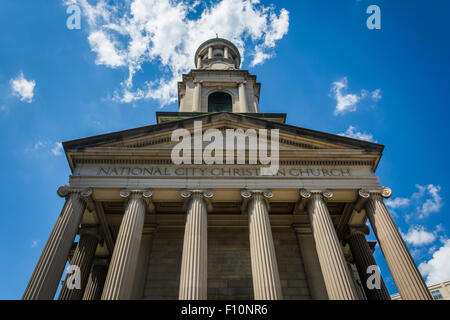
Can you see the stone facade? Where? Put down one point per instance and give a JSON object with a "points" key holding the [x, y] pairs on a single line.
{"points": [[163, 270]]}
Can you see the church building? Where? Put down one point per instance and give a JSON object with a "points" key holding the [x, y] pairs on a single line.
{"points": [[138, 225]]}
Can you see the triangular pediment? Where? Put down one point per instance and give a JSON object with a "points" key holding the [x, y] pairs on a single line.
{"points": [[157, 139]]}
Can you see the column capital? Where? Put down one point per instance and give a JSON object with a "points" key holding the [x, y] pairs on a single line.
{"points": [[144, 194], [363, 230], [364, 195], [90, 229], [85, 195], [66, 190], [247, 195], [205, 194], [306, 195], [101, 261], [242, 83], [188, 193], [385, 192]]}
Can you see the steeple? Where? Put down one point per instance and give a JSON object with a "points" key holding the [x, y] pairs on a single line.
{"points": [[217, 84]]}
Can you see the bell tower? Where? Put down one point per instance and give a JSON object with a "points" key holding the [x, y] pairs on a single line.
{"points": [[218, 84]]}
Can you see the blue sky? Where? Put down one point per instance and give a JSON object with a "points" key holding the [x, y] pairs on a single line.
{"points": [[58, 84]]}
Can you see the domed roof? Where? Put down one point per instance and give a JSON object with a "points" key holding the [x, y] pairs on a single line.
{"points": [[219, 42]]}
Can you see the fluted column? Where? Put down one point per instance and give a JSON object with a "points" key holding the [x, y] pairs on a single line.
{"points": [[197, 103], [121, 273], [336, 274], [406, 275], [194, 264], [243, 97], [363, 258], [50, 267], [266, 278], [96, 281], [82, 258]]}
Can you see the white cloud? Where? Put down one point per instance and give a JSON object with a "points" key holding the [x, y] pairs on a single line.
{"points": [[164, 32], [23, 88], [397, 202], [376, 95], [45, 146], [35, 243], [432, 204], [260, 56], [106, 49], [437, 269], [426, 200], [348, 102], [345, 102], [418, 236], [38, 145], [352, 133], [57, 149]]}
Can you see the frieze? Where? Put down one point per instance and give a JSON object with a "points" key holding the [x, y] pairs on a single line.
{"points": [[172, 171]]}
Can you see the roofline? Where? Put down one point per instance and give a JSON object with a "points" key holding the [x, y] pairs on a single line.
{"points": [[80, 144]]}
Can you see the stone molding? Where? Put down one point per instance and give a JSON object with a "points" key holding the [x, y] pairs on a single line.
{"points": [[303, 229], [149, 229]]}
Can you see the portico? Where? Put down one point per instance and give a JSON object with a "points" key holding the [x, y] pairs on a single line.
{"points": [[153, 229]]}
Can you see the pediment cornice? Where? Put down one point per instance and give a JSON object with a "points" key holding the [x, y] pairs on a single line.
{"points": [[148, 143]]}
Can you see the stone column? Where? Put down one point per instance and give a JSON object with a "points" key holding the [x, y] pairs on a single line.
{"points": [[226, 54], [407, 277], [363, 258], [197, 103], [266, 279], [96, 281], [256, 104], [50, 267], [210, 52], [199, 62], [82, 258], [243, 97], [194, 263], [121, 273], [338, 280]]}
